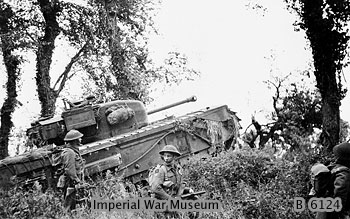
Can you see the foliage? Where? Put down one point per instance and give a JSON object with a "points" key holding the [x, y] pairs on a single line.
{"points": [[124, 26], [118, 62], [22, 203], [304, 108], [172, 71], [297, 114], [248, 183], [252, 184], [109, 40], [344, 130], [296, 120], [34, 203], [45, 27], [175, 68], [77, 30], [326, 27], [9, 46], [39, 25]]}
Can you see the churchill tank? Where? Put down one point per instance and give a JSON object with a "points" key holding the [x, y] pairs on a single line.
{"points": [[118, 136]]}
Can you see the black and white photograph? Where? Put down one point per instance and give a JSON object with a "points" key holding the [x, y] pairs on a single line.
{"points": [[152, 109]]}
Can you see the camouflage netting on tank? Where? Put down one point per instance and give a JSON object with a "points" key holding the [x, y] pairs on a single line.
{"points": [[234, 124], [118, 114], [215, 135], [218, 133], [214, 131]]}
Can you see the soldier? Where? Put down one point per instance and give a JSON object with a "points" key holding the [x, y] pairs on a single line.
{"points": [[73, 165], [166, 180], [340, 171]]}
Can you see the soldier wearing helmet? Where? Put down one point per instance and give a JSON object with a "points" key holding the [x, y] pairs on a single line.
{"points": [[340, 173], [166, 181], [166, 178], [73, 165]]}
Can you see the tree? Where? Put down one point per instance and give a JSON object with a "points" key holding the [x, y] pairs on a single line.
{"points": [[172, 71], [75, 30], [119, 64], [110, 44], [21, 32], [9, 45], [297, 111], [325, 24], [117, 60], [124, 27], [45, 20], [104, 30]]}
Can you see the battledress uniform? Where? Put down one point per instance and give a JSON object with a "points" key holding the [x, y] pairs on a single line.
{"points": [[341, 172], [73, 165], [166, 181]]}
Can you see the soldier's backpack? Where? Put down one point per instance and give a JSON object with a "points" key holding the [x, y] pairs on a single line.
{"points": [[57, 166], [322, 179]]}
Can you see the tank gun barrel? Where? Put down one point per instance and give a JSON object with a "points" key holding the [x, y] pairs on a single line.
{"points": [[187, 100]]}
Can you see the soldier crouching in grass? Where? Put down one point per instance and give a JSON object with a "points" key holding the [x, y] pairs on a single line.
{"points": [[165, 180]]}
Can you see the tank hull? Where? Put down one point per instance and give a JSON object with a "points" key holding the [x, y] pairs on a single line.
{"points": [[131, 154]]}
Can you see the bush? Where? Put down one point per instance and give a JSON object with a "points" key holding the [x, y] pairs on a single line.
{"points": [[251, 184], [32, 203]]}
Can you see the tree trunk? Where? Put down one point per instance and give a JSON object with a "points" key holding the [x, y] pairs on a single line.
{"points": [[330, 123], [11, 63], [47, 96], [118, 58], [326, 44]]}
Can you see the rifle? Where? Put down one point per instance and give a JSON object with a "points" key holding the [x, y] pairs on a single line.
{"points": [[84, 186], [77, 187], [192, 195]]}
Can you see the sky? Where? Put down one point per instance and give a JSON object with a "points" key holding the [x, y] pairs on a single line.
{"points": [[236, 48]]}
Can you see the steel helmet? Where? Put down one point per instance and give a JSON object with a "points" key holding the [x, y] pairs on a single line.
{"points": [[342, 151], [73, 135], [171, 149], [318, 168]]}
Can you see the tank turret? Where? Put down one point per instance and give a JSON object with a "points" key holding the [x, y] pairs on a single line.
{"points": [[95, 121]]}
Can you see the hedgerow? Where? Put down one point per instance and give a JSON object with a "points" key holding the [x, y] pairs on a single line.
{"points": [[248, 183], [252, 183], [30, 203]]}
